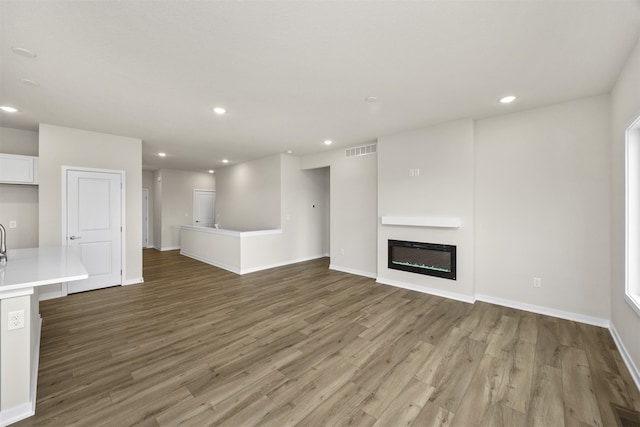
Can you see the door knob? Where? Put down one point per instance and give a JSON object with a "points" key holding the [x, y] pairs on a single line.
{"points": [[75, 237]]}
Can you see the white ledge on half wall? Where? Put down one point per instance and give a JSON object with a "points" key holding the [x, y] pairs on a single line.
{"points": [[445, 222]]}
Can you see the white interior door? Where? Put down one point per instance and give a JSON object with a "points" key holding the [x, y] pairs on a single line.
{"points": [[204, 208], [94, 226]]}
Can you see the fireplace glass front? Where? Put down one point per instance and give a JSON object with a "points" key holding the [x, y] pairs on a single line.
{"points": [[432, 259]]}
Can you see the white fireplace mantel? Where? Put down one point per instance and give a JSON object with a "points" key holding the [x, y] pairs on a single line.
{"points": [[441, 222]]}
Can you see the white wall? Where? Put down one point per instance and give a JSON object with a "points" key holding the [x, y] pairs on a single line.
{"points": [[173, 203], [248, 195], [60, 146], [157, 209], [19, 202], [625, 107], [18, 141], [443, 188], [353, 206], [542, 207]]}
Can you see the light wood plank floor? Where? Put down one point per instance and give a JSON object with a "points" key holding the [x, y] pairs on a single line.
{"points": [[303, 345]]}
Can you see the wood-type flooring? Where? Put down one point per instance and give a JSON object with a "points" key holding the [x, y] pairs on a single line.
{"points": [[304, 345]]}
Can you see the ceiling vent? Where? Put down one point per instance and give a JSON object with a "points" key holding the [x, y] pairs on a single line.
{"points": [[360, 151]]}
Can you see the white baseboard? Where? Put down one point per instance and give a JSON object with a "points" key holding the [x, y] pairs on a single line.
{"points": [[352, 271], [167, 248], [626, 357], [206, 261], [567, 315], [279, 264], [241, 271], [15, 414], [427, 290], [134, 281]]}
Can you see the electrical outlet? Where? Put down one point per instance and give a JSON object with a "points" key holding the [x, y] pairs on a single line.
{"points": [[537, 282], [15, 320], [13, 224]]}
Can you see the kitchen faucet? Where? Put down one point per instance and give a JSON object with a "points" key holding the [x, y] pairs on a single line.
{"points": [[3, 245]]}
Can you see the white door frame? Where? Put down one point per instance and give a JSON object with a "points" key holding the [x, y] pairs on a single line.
{"points": [[145, 217], [123, 210]]}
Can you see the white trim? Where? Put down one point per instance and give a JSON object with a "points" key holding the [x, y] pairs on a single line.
{"points": [[444, 222], [19, 292], [17, 413], [633, 303], [352, 271], [426, 290], [561, 314], [134, 281], [123, 224], [35, 363], [145, 221], [278, 264], [226, 232], [215, 264], [626, 357], [241, 271], [167, 248], [632, 246]]}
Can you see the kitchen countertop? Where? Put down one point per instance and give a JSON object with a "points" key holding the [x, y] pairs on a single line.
{"points": [[28, 268]]}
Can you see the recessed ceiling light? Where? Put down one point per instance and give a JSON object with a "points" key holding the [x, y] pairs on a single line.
{"points": [[211, 171], [8, 109], [30, 82], [328, 142], [225, 161], [289, 151], [371, 99], [23, 52], [507, 99], [219, 110], [162, 154]]}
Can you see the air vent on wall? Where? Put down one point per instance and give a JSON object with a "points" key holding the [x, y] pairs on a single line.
{"points": [[360, 151]]}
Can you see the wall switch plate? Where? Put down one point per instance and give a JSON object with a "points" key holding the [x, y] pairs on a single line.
{"points": [[537, 282], [15, 320], [13, 224]]}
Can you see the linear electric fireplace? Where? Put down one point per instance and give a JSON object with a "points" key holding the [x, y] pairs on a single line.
{"points": [[431, 259]]}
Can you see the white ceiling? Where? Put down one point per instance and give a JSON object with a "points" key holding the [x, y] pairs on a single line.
{"points": [[292, 74]]}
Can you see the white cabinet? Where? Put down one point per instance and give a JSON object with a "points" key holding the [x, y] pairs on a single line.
{"points": [[16, 169]]}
